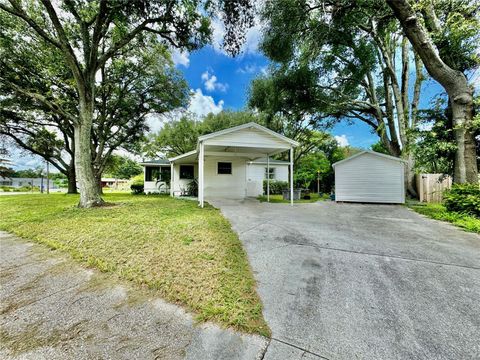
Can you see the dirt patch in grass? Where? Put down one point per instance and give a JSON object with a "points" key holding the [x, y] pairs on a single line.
{"points": [[189, 255]]}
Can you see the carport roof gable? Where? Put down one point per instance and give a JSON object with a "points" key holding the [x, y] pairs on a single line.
{"points": [[385, 156], [246, 126]]}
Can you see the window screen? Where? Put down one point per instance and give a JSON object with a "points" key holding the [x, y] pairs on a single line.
{"points": [[224, 168], [152, 173]]}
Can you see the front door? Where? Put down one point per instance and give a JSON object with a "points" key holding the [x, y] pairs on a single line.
{"points": [[254, 186]]}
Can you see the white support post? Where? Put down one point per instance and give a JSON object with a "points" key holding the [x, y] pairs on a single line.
{"points": [[268, 178], [172, 176], [200, 174], [291, 176]]}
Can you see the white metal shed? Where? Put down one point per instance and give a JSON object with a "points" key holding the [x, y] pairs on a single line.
{"points": [[370, 177]]}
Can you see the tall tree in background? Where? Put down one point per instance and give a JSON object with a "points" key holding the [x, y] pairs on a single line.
{"points": [[445, 35], [180, 136], [339, 60], [5, 170]]}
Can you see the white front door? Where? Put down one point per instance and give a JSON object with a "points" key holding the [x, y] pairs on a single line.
{"points": [[254, 185]]}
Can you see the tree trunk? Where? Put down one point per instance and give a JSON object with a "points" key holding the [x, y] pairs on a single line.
{"points": [[89, 194], [410, 185], [98, 178], [72, 181], [465, 164], [455, 84]]}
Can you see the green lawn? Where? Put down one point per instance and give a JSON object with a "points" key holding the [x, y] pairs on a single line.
{"points": [[279, 198], [186, 254], [438, 212]]}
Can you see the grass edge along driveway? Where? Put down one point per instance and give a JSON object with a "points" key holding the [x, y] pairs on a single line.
{"points": [[188, 255]]}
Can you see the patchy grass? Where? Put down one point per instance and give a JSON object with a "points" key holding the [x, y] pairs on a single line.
{"points": [[439, 212], [189, 255], [279, 198]]}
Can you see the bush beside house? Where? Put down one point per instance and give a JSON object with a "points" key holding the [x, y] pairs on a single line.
{"points": [[276, 187]]}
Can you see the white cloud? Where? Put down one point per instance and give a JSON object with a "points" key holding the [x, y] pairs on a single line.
{"points": [[253, 69], [252, 39], [210, 82], [180, 58], [202, 105], [342, 140]]}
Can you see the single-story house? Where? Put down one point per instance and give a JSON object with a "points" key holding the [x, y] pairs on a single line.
{"points": [[16, 182], [114, 183], [230, 163], [370, 177]]}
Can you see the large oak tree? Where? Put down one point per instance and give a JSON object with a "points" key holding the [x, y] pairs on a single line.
{"points": [[133, 85], [442, 33]]}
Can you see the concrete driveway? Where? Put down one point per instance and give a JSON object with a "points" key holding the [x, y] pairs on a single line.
{"points": [[353, 281]]}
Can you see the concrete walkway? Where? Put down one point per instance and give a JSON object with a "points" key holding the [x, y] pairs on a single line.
{"points": [[353, 281], [51, 308]]}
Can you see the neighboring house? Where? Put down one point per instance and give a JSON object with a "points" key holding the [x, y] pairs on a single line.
{"points": [[231, 163], [113, 183], [22, 182], [370, 177]]}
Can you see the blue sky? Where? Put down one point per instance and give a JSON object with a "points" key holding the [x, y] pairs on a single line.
{"points": [[225, 80]]}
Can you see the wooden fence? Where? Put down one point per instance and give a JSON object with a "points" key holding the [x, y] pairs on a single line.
{"points": [[430, 187]]}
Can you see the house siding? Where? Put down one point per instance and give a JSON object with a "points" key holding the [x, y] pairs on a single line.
{"points": [[182, 184], [229, 186], [256, 175], [370, 178]]}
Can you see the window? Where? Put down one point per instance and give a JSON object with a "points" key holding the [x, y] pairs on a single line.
{"points": [[152, 173], [270, 176], [6, 183], [224, 168], [165, 174], [186, 171]]}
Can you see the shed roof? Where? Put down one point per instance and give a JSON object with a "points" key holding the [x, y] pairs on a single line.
{"points": [[385, 156]]}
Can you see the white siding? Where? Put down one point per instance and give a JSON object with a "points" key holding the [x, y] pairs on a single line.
{"points": [[179, 184], [256, 174], [225, 185], [248, 138], [370, 178]]}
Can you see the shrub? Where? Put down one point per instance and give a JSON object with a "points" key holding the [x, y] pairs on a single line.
{"points": [[463, 198], [192, 188], [276, 186], [138, 180], [137, 189]]}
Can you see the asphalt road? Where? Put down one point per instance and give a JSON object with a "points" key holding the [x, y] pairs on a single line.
{"points": [[355, 281]]}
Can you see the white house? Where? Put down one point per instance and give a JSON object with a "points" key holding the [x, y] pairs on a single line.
{"points": [[370, 177], [231, 163]]}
